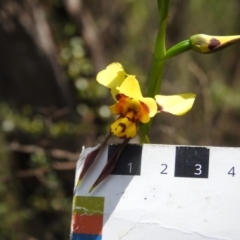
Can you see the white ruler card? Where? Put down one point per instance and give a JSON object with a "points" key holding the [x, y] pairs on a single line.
{"points": [[162, 192]]}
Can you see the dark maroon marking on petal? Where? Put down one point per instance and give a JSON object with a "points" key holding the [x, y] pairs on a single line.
{"points": [[145, 106], [119, 96], [123, 126], [214, 43], [159, 108]]}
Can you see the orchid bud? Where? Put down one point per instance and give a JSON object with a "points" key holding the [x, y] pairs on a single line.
{"points": [[203, 43]]}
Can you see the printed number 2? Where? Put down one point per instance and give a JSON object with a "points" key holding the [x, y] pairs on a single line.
{"points": [[198, 169], [164, 169]]}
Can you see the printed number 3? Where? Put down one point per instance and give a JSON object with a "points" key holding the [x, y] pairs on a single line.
{"points": [[198, 169]]}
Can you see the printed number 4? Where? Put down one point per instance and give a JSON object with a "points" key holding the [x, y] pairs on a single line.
{"points": [[232, 171], [198, 169]]}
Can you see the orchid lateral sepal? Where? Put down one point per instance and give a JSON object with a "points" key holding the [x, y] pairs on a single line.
{"points": [[91, 158], [108, 168]]}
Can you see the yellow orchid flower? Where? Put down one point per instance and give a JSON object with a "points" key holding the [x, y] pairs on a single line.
{"points": [[131, 106]]}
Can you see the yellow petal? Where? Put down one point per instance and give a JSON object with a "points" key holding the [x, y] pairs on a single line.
{"points": [[112, 76], [176, 104], [131, 130], [130, 87], [124, 128], [143, 115], [144, 118]]}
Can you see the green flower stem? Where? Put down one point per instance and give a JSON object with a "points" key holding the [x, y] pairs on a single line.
{"points": [[143, 137], [178, 49], [163, 8], [156, 73]]}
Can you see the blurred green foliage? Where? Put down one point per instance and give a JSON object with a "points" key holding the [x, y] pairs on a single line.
{"points": [[33, 192]]}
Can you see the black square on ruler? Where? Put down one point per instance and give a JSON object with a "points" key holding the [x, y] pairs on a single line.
{"points": [[129, 162], [192, 162]]}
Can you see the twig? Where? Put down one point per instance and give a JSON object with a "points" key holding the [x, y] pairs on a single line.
{"points": [[56, 153], [39, 172]]}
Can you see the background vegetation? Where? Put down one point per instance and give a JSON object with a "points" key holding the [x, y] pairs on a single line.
{"points": [[51, 105]]}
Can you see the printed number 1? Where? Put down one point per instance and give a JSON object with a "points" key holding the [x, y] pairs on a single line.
{"points": [[130, 167]]}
